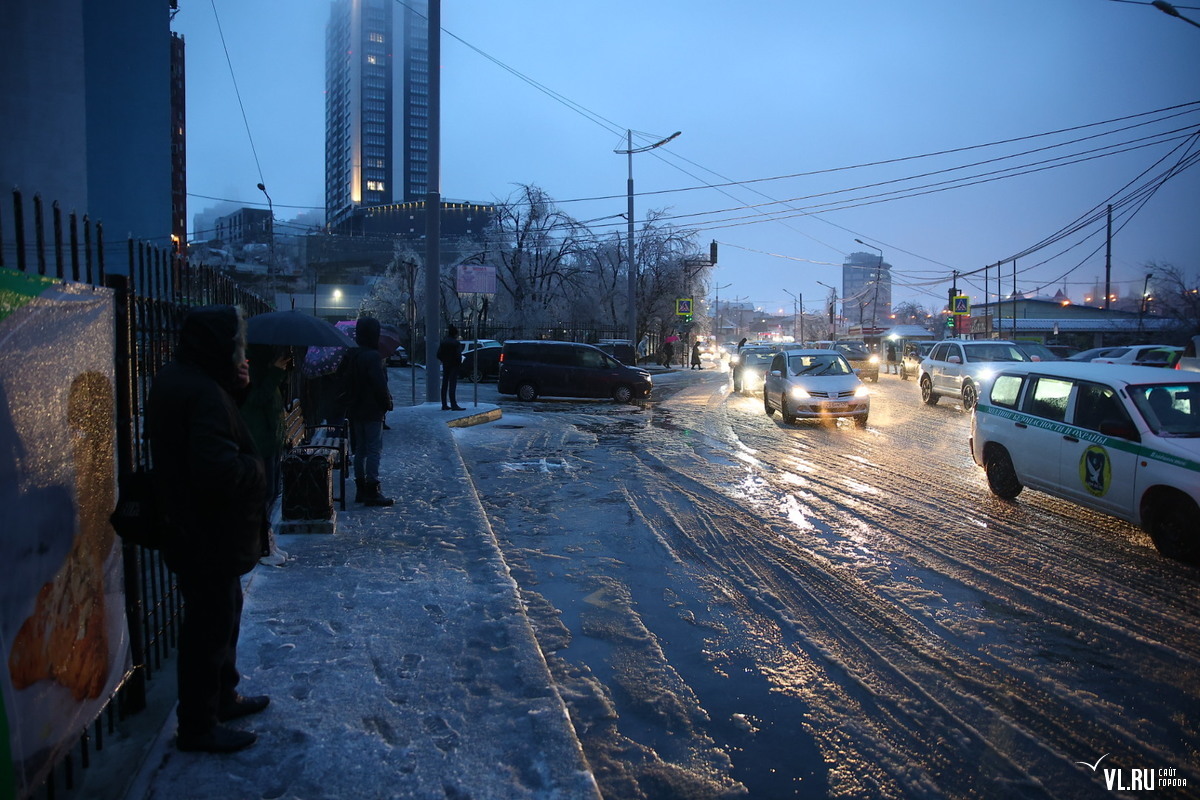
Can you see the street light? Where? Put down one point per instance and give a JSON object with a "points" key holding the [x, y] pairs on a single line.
{"points": [[1167, 8], [832, 308], [878, 270], [629, 212], [1145, 298], [271, 247]]}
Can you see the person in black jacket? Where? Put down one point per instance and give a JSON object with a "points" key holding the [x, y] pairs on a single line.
{"points": [[369, 402], [210, 479], [449, 353]]}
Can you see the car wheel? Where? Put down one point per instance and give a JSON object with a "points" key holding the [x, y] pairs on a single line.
{"points": [[527, 392], [928, 396], [1172, 527], [861, 420], [623, 394], [970, 396], [903, 373], [785, 411], [1001, 476], [767, 407]]}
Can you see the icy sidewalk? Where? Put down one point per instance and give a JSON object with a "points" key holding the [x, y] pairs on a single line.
{"points": [[396, 653]]}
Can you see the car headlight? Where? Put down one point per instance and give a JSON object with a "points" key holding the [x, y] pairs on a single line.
{"points": [[798, 393], [734, 359], [874, 359], [862, 391]]}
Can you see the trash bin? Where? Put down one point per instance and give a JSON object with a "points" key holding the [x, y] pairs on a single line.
{"points": [[307, 485]]}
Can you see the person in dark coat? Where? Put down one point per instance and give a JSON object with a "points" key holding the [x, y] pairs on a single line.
{"points": [[449, 353], [210, 479], [263, 410], [668, 352], [369, 402], [696, 356]]}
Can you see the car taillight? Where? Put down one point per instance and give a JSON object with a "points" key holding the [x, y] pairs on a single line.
{"points": [[502, 358]]}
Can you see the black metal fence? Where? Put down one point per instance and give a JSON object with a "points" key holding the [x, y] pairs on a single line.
{"points": [[152, 292]]}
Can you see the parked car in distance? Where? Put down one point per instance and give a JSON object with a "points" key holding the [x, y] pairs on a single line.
{"points": [[748, 368], [910, 363], [1123, 440], [481, 363], [815, 384], [535, 368], [620, 349], [1142, 355], [1189, 359], [954, 368], [398, 358], [1062, 350], [1039, 352], [1152, 355]]}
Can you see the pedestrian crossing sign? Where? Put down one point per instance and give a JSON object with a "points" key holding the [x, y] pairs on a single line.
{"points": [[962, 305], [683, 306]]}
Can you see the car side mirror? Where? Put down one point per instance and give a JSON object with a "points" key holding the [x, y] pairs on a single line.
{"points": [[954, 360], [777, 373], [1120, 429]]}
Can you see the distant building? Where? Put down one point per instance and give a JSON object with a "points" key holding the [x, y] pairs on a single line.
{"points": [[376, 105], [1056, 320], [86, 99], [242, 227], [178, 143], [866, 291]]}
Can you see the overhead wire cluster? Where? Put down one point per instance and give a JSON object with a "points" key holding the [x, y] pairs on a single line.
{"points": [[1174, 127]]}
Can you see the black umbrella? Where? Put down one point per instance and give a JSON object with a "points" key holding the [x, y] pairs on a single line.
{"points": [[294, 328]]}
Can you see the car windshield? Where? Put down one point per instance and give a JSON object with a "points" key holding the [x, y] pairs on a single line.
{"points": [[1169, 409], [822, 364], [853, 352], [755, 358], [988, 352]]}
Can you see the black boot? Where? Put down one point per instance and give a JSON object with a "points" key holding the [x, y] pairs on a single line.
{"points": [[375, 496], [360, 491]]}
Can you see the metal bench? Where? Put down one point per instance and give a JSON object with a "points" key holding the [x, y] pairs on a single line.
{"points": [[330, 439]]}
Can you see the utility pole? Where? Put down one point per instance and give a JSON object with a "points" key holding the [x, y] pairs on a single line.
{"points": [[1108, 262], [629, 151], [433, 208]]}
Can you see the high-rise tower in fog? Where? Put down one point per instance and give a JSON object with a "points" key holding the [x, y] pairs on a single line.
{"points": [[376, 106]]}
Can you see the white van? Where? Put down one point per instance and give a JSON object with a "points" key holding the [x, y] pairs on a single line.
{"points": [[1121, 440]]}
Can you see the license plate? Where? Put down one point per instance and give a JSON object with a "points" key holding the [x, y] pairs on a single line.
{"points": [[833, 405]]}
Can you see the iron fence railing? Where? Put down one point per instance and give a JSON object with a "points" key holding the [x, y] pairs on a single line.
{"points": [[151, 293]]}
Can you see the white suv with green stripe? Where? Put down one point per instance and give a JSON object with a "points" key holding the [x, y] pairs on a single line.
{"points": [[1122, 440]]}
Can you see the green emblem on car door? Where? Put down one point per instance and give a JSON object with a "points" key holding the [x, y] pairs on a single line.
{"points": [[1095, 470]]}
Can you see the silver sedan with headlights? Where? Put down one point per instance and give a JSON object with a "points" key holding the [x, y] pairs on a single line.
{"points": [[815, 384]]}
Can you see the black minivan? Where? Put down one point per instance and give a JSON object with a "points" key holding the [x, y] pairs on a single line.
{"points": [[530, 369]]}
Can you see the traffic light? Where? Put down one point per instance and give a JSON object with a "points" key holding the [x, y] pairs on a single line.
{"points": [[950, 319]]}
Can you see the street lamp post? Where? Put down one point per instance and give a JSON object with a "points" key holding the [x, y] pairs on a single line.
{"points": [[1145, 298], [1167, 8], [271, 245], [832, 309], [717, 311], [629, 151]]}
